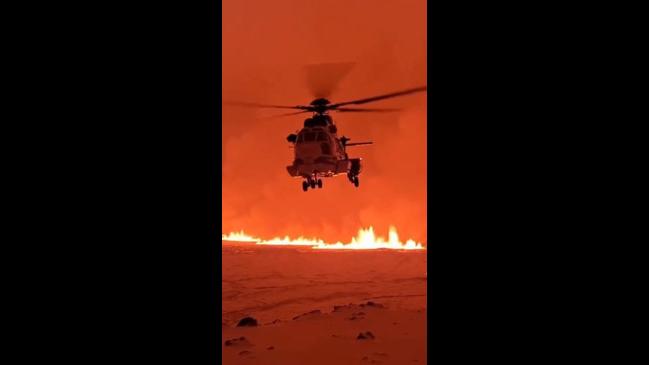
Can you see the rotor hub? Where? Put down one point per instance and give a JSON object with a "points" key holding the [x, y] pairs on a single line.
{"points": [[320, 105], [320, 102]]}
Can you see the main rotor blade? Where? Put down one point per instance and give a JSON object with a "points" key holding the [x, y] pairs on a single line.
{"points": [[257, 105], [377, 110], [357, 143], [381, 97], [285, 115]]}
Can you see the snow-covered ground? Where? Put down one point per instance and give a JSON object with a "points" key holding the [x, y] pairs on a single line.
{"points": [[276, 284]]}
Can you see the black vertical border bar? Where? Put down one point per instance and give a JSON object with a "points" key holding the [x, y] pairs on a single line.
{"points": [[214, 222]]}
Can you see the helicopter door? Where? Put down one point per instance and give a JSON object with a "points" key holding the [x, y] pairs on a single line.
{"points": [[339, 148]]}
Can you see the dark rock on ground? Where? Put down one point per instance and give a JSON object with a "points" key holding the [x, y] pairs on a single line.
{"points": [[365, 336], [372, 304], [339, 308], [241, 341], [247, 322]]}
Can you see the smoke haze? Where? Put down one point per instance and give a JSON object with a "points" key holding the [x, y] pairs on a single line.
{"points": [[266, 48]]}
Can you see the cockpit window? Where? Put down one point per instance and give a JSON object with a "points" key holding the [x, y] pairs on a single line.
{"points": [[322, 137], [309, 137]]}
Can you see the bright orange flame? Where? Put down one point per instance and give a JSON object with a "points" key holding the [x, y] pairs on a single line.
{"points": [[365, 240], [239, 237]]}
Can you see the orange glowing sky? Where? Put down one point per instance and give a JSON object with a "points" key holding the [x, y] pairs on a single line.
{"points": [[266, 45]]}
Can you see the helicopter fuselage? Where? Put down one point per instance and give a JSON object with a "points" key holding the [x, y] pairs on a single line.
{"points": [[318, 153]]}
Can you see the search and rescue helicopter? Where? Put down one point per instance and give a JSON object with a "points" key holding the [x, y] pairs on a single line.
{"points": [[319, 152]]}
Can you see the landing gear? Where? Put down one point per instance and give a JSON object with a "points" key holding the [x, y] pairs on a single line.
{"points": [[353, 179], [311, 183]]}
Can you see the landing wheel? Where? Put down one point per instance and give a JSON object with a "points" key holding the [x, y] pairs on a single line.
{"points": [[356, 181], [312, 184], [305, 185], [319, 183]]}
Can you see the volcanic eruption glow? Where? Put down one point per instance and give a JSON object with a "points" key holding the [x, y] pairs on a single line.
{"points": [[365, 240], [239, 237]]}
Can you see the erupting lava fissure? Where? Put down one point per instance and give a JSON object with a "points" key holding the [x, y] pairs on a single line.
{"points": [[365, 240]]}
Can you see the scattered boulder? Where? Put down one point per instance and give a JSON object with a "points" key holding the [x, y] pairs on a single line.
{"points": [[357, 315], [365, 336], [241, 341], [247, 322], [245, 352], [270, 348], [340, 308], [372, 304]]}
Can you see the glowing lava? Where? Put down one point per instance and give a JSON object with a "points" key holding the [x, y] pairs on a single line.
{"points": [[239, 237], [365, 240]]}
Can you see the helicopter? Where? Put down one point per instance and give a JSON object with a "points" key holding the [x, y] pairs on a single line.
{"points": [[319, 152]]}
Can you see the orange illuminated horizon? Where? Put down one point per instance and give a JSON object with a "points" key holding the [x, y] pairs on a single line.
{"points": [[365, 240], [267, 46]]}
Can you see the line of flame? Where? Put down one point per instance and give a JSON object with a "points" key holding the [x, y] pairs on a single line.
{"points": [[239, 237], [365, 240]]}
